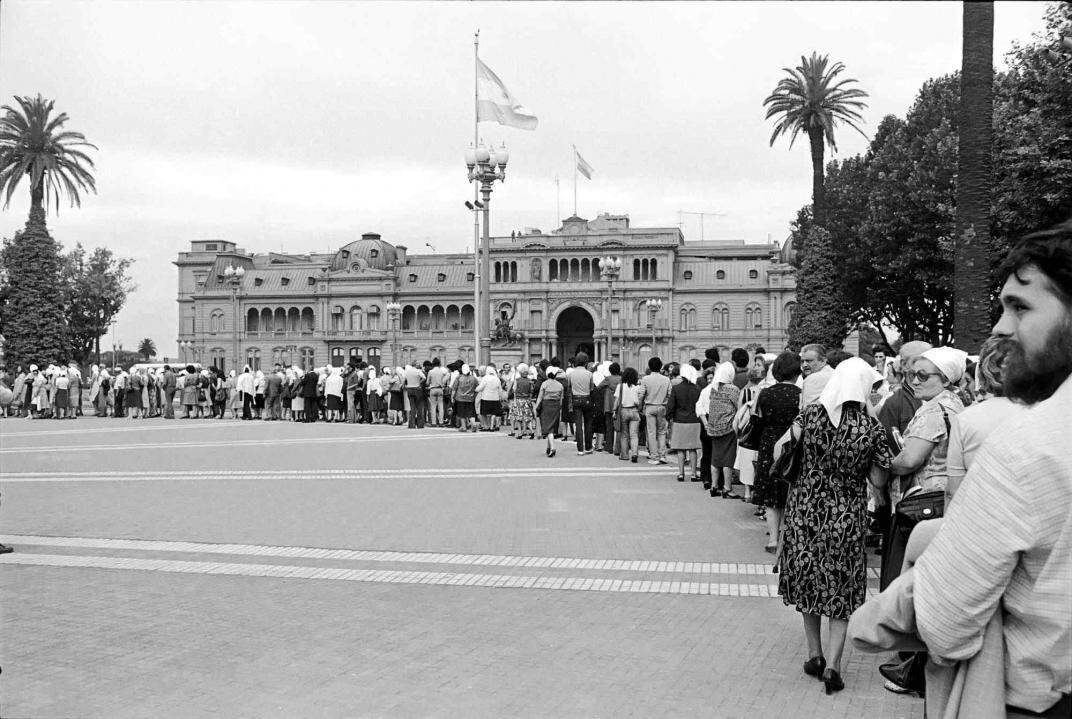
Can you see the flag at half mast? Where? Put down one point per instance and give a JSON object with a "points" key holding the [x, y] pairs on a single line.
{"points": [[583, 167], [496, 104]]}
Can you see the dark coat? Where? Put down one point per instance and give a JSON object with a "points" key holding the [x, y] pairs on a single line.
{"points": [[308, 385]]}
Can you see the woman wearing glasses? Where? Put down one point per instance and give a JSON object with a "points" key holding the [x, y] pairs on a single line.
{"points": [[933, 377]]}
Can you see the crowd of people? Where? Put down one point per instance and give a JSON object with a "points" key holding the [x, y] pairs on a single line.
{"points": [[992, 432]]}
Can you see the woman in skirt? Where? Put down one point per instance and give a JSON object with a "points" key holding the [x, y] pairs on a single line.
{"points": [[488, 394], [549, 408], [685, 434], [717, 408], [522, 415]]}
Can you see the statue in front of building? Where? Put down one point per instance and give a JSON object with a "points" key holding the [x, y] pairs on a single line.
{"points": [[536, 270]]}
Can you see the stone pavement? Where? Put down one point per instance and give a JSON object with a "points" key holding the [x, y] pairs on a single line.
{"points": [[249, 569]]}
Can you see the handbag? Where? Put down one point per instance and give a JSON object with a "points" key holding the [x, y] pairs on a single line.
{"points": [[786, 467], [749, 425], [920, 505]]}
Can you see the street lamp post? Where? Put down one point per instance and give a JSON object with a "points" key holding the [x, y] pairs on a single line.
{"points": [[485, 165], [609, 269], [654, 305], [394, 310], [233, 277]]}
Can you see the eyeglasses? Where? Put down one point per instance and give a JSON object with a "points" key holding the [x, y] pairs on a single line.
{"points": [[921, 376]]}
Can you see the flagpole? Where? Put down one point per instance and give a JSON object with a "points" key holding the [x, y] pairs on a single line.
{"points": [[558, 202], [476, 201], [575, 181]]}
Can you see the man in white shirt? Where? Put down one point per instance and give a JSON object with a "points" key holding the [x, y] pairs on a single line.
{"points": [[816, 373]]}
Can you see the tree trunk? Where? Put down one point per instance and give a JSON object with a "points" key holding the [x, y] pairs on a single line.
{"points": [[971, 317], [818, 191]]}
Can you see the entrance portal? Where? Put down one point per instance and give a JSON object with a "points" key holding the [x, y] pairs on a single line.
{"points": [[575, 329]]}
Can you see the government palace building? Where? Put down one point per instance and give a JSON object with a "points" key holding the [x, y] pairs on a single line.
{"points": [[550, 295]]}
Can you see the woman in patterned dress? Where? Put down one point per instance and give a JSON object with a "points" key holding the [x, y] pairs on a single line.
{"points": [[778, 404], [823, 561]]}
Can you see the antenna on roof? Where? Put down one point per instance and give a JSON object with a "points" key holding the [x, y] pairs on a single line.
{"points": [[430, 245], [682, 213]]}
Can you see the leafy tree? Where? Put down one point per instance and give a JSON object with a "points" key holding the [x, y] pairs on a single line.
{"points": [[812, 100], [147, 348], [974, 161], [95, 289], [822, 313], [33, 144]]}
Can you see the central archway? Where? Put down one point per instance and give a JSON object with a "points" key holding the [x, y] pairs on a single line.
{"points": [[575, 328]]}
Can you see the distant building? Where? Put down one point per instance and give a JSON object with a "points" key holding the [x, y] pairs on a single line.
{"points": [[548, 298]]}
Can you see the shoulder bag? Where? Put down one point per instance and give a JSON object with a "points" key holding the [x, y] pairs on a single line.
{"points": [[786, 467], [749, 424]]}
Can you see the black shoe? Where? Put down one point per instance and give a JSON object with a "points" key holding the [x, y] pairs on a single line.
{"points": [[681, 478], [4, 549], [696, 478], [707, 485], [832, 681], [814, 667], [634, 459], [553, 453]]}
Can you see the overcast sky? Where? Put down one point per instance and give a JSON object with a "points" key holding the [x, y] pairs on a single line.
{"points": [[298, 126]]}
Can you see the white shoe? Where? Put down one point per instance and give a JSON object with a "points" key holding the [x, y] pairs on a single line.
{"points": [[895, 688]]}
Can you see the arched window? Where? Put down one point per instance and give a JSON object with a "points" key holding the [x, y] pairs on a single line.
{"points": [[644, 352], [454, 319], [373, 317], [266, 320], [552, 271], [279, 322], [355, 355], [642, 317], [308, 358], [438, 317], [424, 318], [498, 272], [787, 312], [293, 320], [644, 268], [253, 358], [308, 320], [597, 269], [438, 351], [338, 318], [338, 357], [467, 317], [409, 317], [687, 318], [574, 270], [654, 275], [357, 318], [513, 272], [636, 269], [753, 316], [720, 317], [217, 355], [253, 320], [465, 353], [374, 356], [216, 322], [586, 270], [505, 310]]}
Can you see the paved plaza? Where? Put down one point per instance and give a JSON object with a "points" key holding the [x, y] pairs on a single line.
{"points": [[251, 569]]}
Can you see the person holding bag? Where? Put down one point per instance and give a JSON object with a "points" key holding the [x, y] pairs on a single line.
{"points": [[745, 463], [822, 560]]}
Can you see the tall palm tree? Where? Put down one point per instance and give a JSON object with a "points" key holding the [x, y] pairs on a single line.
{"points": [[147, 348], [33, 144], [971, 316], [812, 100]]}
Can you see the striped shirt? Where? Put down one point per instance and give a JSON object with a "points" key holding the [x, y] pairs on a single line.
{"points": [[1008, 539]]}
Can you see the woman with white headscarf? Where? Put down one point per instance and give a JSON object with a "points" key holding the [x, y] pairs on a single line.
{"points": [[685, 433], [823, 565], [934, 376], [487, 391], [522, 414], [374, 396], [549, 407], [716, 409], [463, 398], [333, 388]]}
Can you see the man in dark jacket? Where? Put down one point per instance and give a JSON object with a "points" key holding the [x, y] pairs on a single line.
{"points": [[308, 394], [273, 393]]}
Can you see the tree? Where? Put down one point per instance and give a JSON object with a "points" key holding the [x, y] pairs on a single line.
{"points": [[95, 289], [822, 314], [813, 101], [33, 145], [147, 348], [972, 267]]}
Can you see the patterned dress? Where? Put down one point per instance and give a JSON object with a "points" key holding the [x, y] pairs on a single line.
{"points": [[779, 405], [823, 564]]}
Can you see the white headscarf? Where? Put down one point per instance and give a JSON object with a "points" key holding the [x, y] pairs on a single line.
{"points": [[852, 381], [466, 369], [950, 361], [725, 373], [489, 371], [689, 373], [551, 372], [601, 373], [532, 373]]}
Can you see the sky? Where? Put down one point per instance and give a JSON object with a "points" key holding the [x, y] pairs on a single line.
{"points": [[298, 126]]}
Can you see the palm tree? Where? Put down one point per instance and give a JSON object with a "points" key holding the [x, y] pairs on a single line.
{"points": [[147, 348], [31, 144], [812, 100], [971, 315]]}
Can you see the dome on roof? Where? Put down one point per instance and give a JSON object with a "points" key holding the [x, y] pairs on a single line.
{"points": [[370, 251]]}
